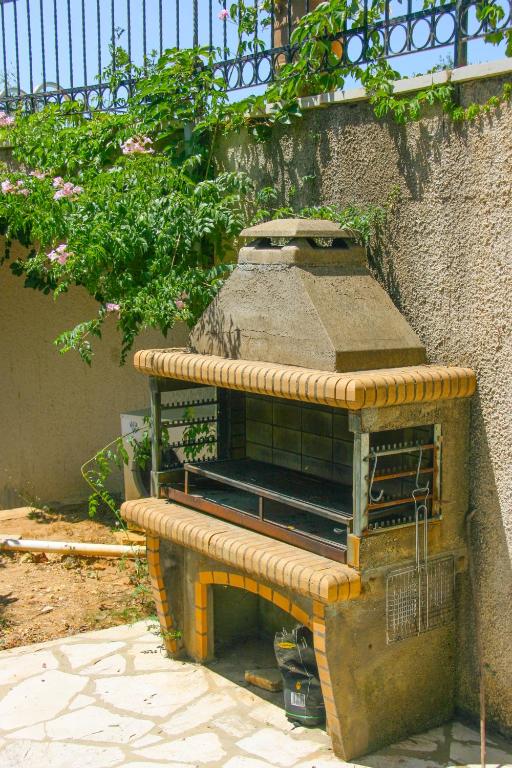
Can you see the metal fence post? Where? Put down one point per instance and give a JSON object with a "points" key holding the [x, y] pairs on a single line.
{"points": [[460, 52], [196, 24]]}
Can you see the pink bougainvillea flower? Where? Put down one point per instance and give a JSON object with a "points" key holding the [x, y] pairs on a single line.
{"points": [[68, 189], [224, 15], [60, 254], [137, 145], [5, 120], [128, 145], [38, 174], [58, 182], [8, 187], [111, 306], [180, 304]]}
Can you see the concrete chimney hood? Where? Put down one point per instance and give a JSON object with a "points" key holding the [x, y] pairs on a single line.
{"points": [[302, 295]]}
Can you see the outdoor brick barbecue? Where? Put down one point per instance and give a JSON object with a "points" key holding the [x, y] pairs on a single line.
{"points": [[305, 453]]}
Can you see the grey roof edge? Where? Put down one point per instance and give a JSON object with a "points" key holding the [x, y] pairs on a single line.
{"points": [[298, 228]]}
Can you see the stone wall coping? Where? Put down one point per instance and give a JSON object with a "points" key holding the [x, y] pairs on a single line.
{"points": [[411, 84], [248, 552], [459, 75], [353, 390]]}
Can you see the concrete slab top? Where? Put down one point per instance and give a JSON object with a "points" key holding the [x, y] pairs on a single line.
{"points": [[297, 228]]}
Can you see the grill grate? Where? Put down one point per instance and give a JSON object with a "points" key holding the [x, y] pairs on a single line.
{"points": [[419, 598]]}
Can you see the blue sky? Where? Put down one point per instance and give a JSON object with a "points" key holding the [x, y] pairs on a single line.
{"points": [[82, 16]]}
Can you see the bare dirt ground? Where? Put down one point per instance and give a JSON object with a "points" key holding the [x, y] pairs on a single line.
{"points": [[43, 597]]}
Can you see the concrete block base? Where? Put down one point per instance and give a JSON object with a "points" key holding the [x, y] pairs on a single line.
{"points": [[374, 692]]}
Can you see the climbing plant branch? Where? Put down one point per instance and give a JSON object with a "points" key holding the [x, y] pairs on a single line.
{"points": [[133, 209]]}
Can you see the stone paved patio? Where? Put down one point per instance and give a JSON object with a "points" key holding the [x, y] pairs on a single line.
{"points": [[111, 698]]}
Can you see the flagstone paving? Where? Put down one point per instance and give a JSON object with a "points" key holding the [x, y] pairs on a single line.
{"points": [[111, 698]]}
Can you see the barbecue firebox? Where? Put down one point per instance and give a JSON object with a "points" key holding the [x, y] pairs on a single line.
{"points": [[287, 470], [309, 456]]}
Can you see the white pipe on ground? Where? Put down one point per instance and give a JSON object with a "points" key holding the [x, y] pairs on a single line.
{"points": [[70, 548]]}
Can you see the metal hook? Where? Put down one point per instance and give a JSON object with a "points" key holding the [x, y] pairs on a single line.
{"points": [[418, 468], [374, 499]]}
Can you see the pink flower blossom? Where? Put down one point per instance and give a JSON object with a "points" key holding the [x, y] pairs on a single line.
{"points": [[58, 182], [7, 187], [6, 120], [38, 174], [180, 304], [67, 189], [140, 145], [224, 15], [111, 306], [60, 254]]}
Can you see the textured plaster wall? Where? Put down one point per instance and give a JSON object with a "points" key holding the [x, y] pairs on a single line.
{"points": [[445, 256], [56, 412]]}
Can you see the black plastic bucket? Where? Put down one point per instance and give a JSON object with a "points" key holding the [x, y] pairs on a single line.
{"points": [[303, 700]]}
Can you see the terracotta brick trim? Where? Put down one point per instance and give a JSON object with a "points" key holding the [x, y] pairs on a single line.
{"points": [[256, 555], [159, 594], [239, 582], [363, 389], [324, 673]]}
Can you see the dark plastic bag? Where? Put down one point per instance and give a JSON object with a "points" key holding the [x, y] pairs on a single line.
{"points": [[295, 656]]}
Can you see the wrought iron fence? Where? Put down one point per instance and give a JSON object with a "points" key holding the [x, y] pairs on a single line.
{"points": [[53, 50]]}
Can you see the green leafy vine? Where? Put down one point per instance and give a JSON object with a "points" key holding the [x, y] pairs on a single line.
{"points": [[132, 208]]}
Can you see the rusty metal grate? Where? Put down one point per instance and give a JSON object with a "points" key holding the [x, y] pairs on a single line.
{"points": [[419, 598]]}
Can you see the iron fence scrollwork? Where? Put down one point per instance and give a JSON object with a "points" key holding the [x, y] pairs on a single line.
{"points": [[68, 44]]}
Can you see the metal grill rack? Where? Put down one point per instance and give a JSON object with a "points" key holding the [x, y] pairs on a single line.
{"points": [[287, 504], [298, 472], [184, 427], [419, 598]]}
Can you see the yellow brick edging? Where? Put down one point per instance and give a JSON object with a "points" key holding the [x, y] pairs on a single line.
{"points": [[324, 673], [256, 555], [356, 390], [238, 581]]}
